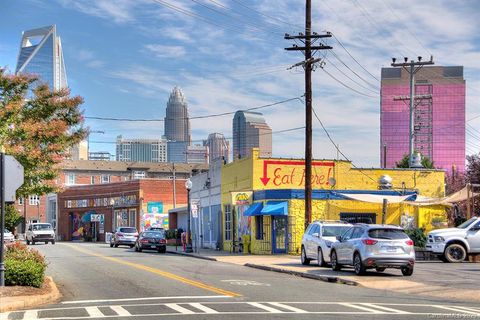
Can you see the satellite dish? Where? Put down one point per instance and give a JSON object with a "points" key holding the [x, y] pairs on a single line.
{"points": [[332, 182]]}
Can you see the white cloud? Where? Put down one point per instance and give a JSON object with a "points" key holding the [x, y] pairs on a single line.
{"points": [[163, 51]]}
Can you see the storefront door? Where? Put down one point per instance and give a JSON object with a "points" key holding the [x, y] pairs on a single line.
{"points": [[279, 234]]}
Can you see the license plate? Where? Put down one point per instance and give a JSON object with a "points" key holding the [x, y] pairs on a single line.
{"points": [[391, 249], [152, 246]]}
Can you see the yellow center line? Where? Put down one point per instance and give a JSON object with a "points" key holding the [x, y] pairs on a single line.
{"points": [[158, 272]]}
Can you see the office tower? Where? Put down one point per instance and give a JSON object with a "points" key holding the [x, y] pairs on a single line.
{"points": [[41, 54], [197, 154], [177, 151], [141, 150], [439, 116], [177, 123], [251, 131], [79, 151], [218, 147], [99, 156]]}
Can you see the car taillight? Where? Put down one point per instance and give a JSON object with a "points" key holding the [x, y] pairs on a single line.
{"points": [[135, 234], [119, 234], [163, 241], [144, 241], [369, 242], [409, 242]]}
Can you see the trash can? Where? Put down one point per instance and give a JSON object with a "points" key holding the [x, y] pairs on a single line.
{"points": [[246, 243], [108, 237]]}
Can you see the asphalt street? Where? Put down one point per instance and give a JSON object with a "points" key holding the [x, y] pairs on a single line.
{"points": [[101, 282]]}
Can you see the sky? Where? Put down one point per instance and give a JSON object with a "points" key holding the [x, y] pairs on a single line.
{"points": [[125, 56]]}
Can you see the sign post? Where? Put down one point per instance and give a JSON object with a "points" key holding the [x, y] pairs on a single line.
{"points": [[8, 186]]}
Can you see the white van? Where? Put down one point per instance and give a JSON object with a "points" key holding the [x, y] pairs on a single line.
{"points": [[40, 232]]}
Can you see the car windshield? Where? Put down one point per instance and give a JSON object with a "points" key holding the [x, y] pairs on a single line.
{"points": [[6, 231], [128, 230], [467, 223], [333, 231], [390, 234], [155, 234], [43, 226]]}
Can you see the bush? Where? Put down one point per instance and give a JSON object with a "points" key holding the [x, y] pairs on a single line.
{"points": [[24, 266], [418, 236], [171, 234], [24, 273]]}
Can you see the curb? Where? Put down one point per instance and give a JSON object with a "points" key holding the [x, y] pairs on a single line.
{"points": [[192, 255], [24, 302], [303, 274]]}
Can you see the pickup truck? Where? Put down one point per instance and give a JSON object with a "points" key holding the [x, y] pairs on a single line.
{"points": [[455, 244]]}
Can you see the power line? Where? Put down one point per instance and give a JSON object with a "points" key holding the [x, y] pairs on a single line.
{"points": [[196, 117], [359, 84], [347, 86], [353, 71]]}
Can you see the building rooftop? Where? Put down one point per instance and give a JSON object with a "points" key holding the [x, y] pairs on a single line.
{"points": [[94, 165]]}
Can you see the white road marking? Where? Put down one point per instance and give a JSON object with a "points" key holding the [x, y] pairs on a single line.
{"points": [[246, 283], [203, 308], [141, 299], [94, 312], [266, 308], [351, 305], [477, 311], [121, 311], [457, 309], [4, 316], [178, 308], [30, 315], [290, 308], [371, 305]]}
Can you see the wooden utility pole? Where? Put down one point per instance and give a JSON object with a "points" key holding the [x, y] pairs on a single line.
{"points": [[308, 66]]}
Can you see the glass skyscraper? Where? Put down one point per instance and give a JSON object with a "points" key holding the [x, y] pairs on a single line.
{"points": [[251, 131], [41, 54], [141, 150], [439, 116], [177, 123]]}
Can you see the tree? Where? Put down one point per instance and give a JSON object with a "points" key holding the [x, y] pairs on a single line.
{"points": [[473, 168], [38, 127], [426, 162], [12, 218]]}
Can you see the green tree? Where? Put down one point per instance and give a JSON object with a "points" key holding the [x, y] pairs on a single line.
{"points": [[38, 127], [426, 162], [12, 218]]}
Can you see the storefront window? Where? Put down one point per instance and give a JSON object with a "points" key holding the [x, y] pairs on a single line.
{"points": [[132, 218], [259, 227], [228, 222]]}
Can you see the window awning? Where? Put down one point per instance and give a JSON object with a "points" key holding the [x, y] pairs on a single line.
{"points": [[254, 210], [275, 208]]}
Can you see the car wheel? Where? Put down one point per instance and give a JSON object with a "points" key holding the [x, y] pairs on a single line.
{"points": [[132, 245], [33, 242], [304, 259], [320, 260], [28, 242], [442, 258], [164, 250], [46, 242], [115, 245], [139, 249], [53, 241], [358, 265], [111, 244], [455, 253], [136, 248], [407, 271], [380, 269], [334, 261]]}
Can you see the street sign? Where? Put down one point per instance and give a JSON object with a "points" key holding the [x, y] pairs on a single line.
{"points": [[96, 218], [194, 207], [13, 177]]}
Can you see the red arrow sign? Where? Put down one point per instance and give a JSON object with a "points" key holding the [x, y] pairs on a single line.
{"points": [[265, 179]]}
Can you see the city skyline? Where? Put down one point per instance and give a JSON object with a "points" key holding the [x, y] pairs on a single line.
{"points": [[158, 45]]}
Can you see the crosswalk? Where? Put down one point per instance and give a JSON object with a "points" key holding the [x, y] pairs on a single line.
{"points": [[158, 309]]}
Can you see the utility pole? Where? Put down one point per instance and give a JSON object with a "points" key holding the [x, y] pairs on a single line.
{"points": [[308, 39], [411, 67]]}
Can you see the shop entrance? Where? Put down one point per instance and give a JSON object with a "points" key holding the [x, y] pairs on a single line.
{"points": [[279, 234]]}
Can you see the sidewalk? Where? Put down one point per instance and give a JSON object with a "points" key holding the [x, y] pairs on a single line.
{"points": [[434, 279]]}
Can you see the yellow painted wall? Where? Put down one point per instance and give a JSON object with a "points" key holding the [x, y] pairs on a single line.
{"points": [[249, 175]]}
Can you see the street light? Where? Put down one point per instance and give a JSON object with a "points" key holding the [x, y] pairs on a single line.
{"points": [[188, 185]]}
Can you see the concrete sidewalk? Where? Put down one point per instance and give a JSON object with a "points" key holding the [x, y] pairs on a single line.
{"points": [[434, 279]]}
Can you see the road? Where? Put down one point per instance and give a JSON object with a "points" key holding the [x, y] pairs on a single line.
{"points": [[100, 282]]}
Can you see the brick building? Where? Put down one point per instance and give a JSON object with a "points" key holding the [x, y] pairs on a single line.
{"points": [[93, 173], [127, 203]]}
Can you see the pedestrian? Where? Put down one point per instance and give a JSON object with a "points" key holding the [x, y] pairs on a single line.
{"points": [[184, 241]]}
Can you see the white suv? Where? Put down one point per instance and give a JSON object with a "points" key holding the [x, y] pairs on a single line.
{"points": [[318, 238], [40, 232]]}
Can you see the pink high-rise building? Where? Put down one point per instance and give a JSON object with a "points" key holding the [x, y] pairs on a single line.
{"points": [[439, 125]]}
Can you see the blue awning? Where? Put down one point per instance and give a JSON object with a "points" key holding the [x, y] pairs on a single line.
{"points": [[275, 208], [254, 209]]}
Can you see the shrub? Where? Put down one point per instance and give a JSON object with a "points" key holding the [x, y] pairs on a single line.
{"points": [[24, 266], [171, 234], [418, 236]]}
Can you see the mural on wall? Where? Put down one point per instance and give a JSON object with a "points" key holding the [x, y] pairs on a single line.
{"points": [[154, 216], [241, 201], [291, 173]]}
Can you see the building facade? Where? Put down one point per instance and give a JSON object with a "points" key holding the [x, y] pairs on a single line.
{"points": [[100, 156], [251, 131], [218, 147], [177, 122], [142, 150], [79, 151], [90, 212], [177, 152], [197, 154], [263, 206], [41, 54], [439, 125]]}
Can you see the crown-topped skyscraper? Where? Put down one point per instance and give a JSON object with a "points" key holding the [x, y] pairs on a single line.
{"points": [[177, 123]]}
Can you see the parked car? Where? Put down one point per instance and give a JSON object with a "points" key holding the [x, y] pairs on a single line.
{"points": [[455, 244], [318, 238], [373, 246], [151, 240], [8, 237], [124, 236], [40, 232]]}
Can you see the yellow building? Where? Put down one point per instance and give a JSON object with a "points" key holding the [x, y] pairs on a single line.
{"points": [[263, 199]]}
